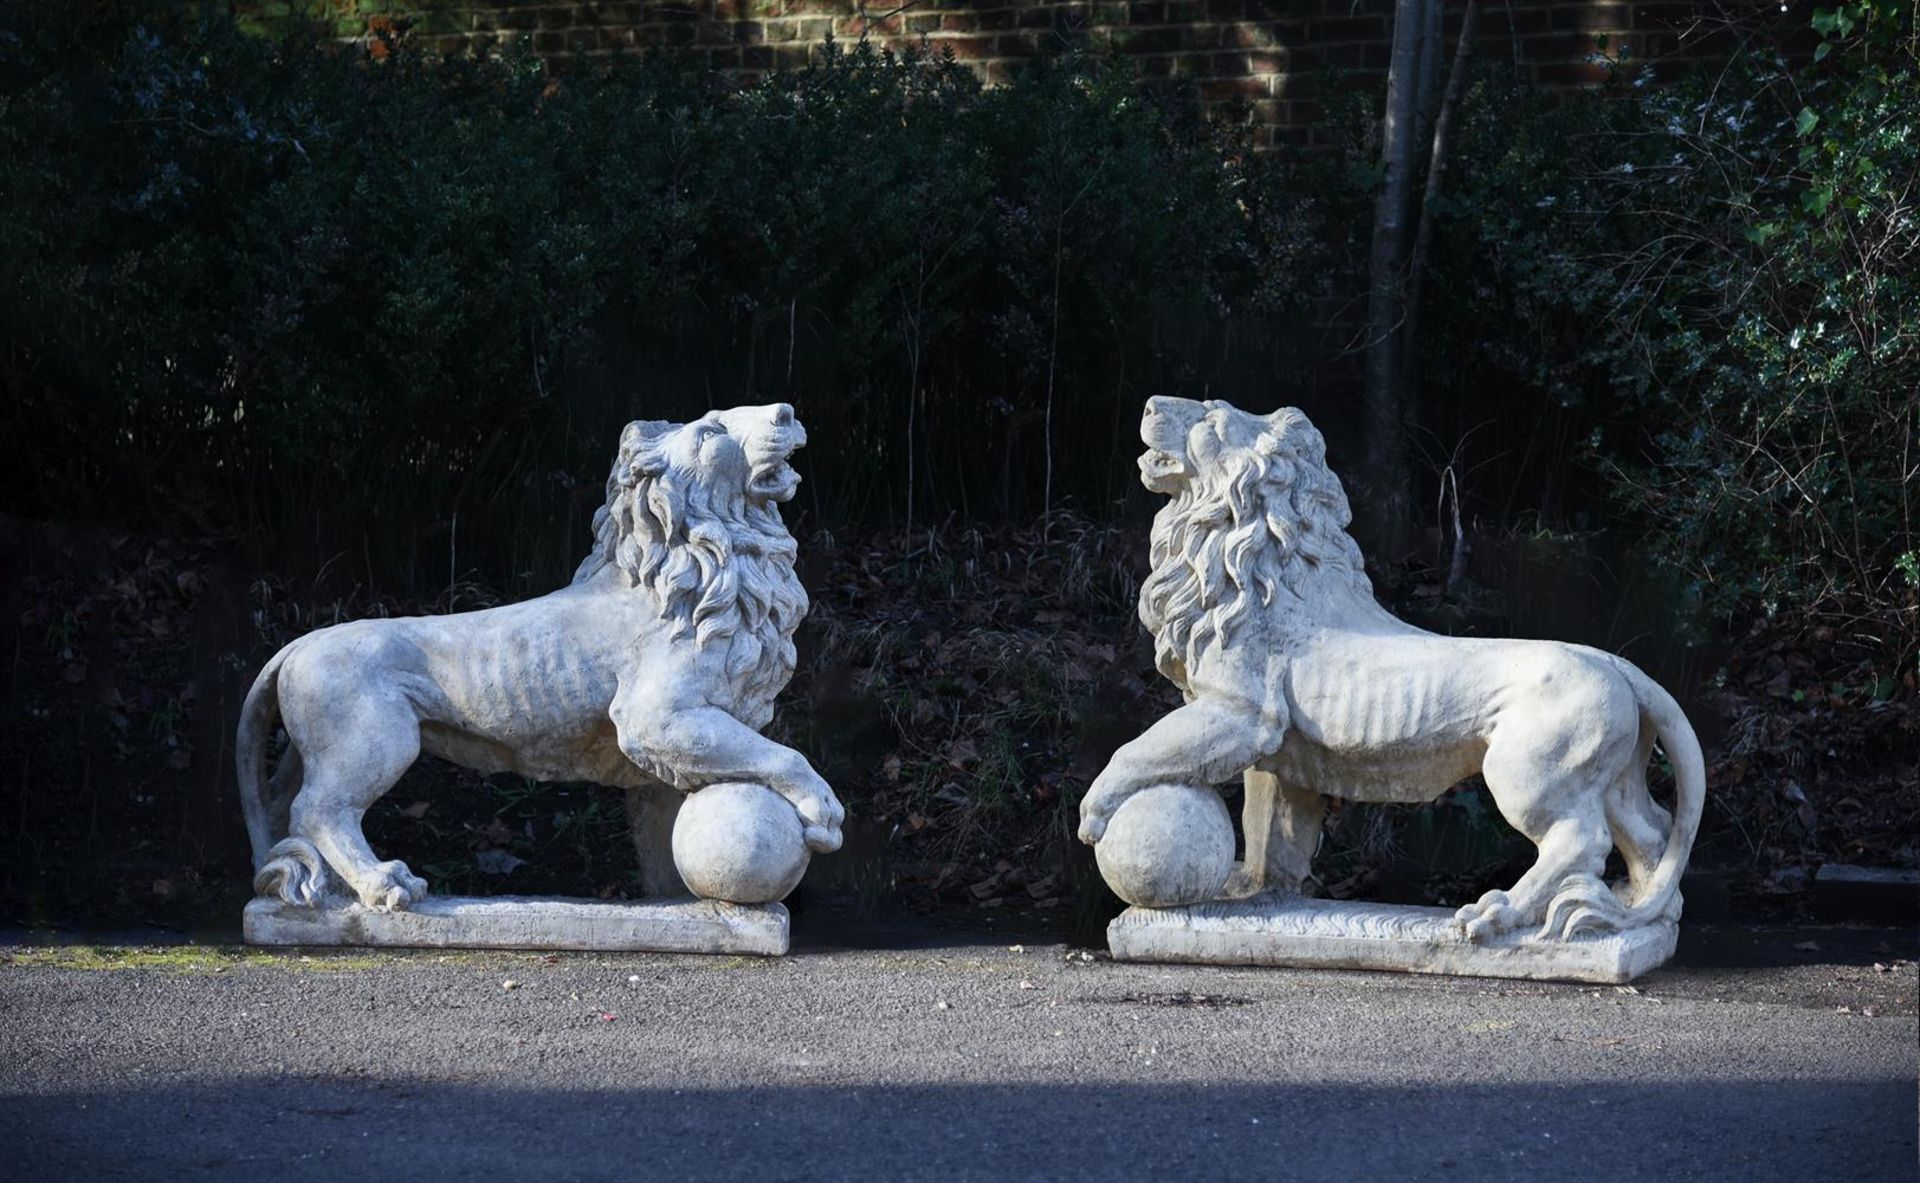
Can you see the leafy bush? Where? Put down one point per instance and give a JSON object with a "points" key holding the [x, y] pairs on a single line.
{"points": [[1721, 275], [294, 288]]}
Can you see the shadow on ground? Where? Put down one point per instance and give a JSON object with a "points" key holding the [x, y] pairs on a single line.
{"points": [[333, 1128]]}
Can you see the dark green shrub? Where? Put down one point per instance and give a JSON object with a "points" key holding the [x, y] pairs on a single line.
{"points": [[1720, 277], [397, 308]]}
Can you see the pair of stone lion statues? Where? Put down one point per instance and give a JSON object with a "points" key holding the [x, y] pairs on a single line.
{"points": [[656, 668]]}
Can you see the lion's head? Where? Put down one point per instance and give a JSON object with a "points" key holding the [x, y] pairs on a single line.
{"points": [[691, 518], [1164, 466], [770, 436], [1257, 523]]}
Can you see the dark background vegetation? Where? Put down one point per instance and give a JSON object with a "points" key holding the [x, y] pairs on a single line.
{"points": [[289, 336]]}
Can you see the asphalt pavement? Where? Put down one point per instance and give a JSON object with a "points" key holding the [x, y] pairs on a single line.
{"points": [[1782, 1056]]}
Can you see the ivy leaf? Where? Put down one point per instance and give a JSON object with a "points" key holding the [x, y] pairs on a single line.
{"points": [[1805, 121], [1817, 199]]}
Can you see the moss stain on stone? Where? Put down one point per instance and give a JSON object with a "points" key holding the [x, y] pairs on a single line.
{"points": [[179, 959]]}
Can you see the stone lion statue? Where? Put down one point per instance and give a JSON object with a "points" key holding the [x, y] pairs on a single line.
{"points": [[1261, 612], [653, 670]]}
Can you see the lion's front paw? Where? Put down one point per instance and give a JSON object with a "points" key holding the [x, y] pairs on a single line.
{"points": [[822, 814], [1104, 797], [391, 887], [1490, 916]]}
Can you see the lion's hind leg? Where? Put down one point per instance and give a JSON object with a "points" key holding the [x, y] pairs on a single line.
{"points": [[1561, 812], [1640, 824], [1639, 827], [354, 750]]}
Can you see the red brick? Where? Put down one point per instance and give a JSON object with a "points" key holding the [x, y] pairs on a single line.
{"points": [[1500, 23], [1228, 65], [1665, 16], [1559, 47], [1294, 86], [1267, 61], [1216, 89], [1165, 39], [966, 49], [1354, 28], [1569, 74], [1593, 18], [1247, 36]]}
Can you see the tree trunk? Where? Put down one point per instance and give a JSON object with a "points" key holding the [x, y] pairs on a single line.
{"points": [[1436, 172], [1387, 497]]}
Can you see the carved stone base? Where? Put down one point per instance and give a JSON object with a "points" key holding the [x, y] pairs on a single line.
{"points": [[1348, 934], [683, 925]]}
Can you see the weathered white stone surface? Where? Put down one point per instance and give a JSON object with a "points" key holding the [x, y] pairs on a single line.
{"points": [[1168, 845], [1350, 934], [653, 671], [1298, 681], [521, 922], [739, 842]]}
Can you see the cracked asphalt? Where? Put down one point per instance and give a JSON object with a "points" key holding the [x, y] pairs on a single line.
{"points": [[1788, 1056]]}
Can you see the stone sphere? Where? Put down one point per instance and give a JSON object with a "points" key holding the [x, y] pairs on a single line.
{"points": [[1167, 846], [741, 843]]}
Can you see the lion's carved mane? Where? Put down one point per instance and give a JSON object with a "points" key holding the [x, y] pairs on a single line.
{"points": [[1255, 529], [718, 568]]}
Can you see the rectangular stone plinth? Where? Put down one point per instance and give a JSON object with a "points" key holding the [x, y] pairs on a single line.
{"points": [[683, 925], [1347, 934]]}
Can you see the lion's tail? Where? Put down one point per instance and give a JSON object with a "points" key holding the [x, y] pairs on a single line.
{"points": [[257, 714], [1589, 903], [291, 868]]}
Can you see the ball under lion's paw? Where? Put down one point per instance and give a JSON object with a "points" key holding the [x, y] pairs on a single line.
{"points": [[742, 843], [1167, 846]]}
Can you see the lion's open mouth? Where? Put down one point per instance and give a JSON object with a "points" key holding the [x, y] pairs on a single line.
{"points": [[1158, 465], [777, 482]]}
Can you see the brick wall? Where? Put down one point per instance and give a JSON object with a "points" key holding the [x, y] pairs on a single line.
{"points": [[1267, 61]]}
